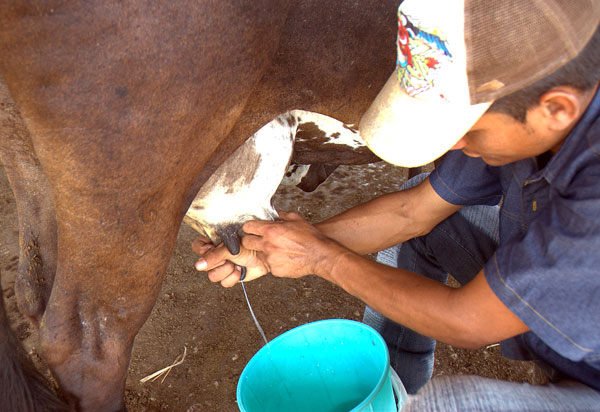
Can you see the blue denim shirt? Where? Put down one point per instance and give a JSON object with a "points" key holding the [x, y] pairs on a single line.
{"points": [[547, 266]]}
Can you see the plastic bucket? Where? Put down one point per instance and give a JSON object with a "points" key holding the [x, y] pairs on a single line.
{"points": [[332, 365]]}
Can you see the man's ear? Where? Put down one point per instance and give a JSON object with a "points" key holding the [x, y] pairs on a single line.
{"points": [[560, 108]]}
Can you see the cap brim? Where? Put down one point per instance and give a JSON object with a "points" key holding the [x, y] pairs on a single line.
{"points": [[411, 132]]}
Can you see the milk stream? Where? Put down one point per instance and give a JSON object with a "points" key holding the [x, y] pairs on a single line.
{"points": [[260, 330]]}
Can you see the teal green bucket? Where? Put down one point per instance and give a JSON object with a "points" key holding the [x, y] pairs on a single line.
{"points": [[332, 365]]}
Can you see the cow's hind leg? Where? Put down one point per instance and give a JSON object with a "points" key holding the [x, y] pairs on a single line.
{"points": [[113, 253], [22, 387], [37, 220], [88, 302]]}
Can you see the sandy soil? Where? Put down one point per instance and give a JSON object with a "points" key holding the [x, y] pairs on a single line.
{"points": [[214, 323]]}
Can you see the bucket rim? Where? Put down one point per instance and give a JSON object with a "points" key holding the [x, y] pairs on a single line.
{"points": [[368, 399]]}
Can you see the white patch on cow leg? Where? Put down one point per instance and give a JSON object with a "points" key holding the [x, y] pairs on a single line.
{"points": [[295, 174], [242, 187], [335, 131]]}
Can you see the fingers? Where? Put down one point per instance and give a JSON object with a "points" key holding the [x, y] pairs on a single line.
{"points": [[258, 227], [221, 272], [213, 257], [228, 274], [252, 242], [231, 280], [255, 227]]}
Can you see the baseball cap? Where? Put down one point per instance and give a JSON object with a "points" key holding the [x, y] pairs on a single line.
{"points": [[456, 57]]}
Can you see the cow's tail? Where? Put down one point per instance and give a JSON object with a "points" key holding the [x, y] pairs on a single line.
{"points": [[22, 387]]}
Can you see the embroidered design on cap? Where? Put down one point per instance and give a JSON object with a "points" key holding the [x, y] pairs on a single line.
{"points": [[421, 52]]}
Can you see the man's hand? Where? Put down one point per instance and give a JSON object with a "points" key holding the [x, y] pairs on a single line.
{"points": [[217, 261], [291, 247]]}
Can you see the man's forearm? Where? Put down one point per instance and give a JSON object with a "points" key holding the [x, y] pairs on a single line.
{"points": [[407, 298], [468, 317], [369, 227], [388, 220]]}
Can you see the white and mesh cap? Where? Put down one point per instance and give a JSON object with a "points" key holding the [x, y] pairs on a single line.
{"points": [[456, 57]]}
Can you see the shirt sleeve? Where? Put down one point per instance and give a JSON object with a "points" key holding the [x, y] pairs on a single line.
{"points": [[550, 277], [463, 180]]}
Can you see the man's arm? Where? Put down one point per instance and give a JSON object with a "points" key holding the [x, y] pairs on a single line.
{"points": [[388, 220], [469, 317], [370, 227]]}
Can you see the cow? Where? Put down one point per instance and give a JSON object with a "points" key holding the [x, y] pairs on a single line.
{"points": [[114, 115]]}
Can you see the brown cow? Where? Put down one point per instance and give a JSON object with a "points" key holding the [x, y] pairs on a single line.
{"points": [[127, 108]]}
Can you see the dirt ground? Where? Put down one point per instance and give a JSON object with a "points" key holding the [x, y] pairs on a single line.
{"points": [[214, 323]]}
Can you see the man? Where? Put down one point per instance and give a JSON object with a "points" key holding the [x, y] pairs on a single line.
{"points": [[513, 213]]}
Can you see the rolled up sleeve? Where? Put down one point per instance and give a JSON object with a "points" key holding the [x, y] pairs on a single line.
{"points": [[463, 180]]}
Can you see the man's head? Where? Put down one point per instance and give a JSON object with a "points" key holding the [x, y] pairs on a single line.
{"points": [[537, 118], [581, 73], [487, 68]]}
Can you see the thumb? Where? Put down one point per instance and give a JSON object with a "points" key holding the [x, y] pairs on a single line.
{"points": [[213, 258]]}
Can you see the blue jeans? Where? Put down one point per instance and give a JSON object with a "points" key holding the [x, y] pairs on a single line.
{"points": [[460, 245]]}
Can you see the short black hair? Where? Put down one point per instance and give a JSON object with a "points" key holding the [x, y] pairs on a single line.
{"points": [[581, 73]]}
